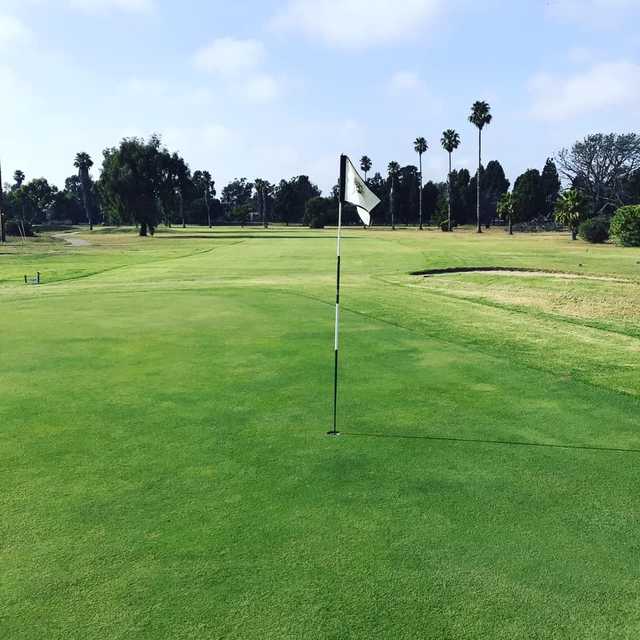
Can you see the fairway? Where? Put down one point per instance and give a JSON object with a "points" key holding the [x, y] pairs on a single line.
{"points": [[166, 474]]}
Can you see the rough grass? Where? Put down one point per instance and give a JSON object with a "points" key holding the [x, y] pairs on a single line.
{"points": [[165, 471]]}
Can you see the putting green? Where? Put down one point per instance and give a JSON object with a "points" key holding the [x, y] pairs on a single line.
{"points": [[165, 471]]}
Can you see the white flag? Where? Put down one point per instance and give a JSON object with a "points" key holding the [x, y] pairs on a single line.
{"points": [[357, 193]]}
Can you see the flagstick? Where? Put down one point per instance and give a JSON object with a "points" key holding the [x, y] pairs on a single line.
{"points": [[337, 327]]}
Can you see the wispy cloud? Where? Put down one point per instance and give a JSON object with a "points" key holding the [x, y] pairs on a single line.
{"points": [[101, 6], [604, 86], [593, 13], [357, 23], [12, 31], [402, 81], [229, 56]]}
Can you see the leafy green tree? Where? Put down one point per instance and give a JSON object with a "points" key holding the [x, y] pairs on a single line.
{"points": [[480, 117], [450, 141], [204, 186], [83, 163], [66, 208], [291, 197], [420, 146], [365, 165], [236, 194], [549, 187], [494, 185], [320, 212], [571, 210], [528, 196], [430, 195], [263, 196], [131, 182], [37, 199], [393, 170], [462, 197], [506, 210], [625, 225]]}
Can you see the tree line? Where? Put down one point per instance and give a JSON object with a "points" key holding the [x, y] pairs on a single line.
{"points": [[143, 183]]}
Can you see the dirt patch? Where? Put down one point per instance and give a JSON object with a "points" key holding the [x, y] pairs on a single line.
{"points": [[518, 272], [70, 238]]}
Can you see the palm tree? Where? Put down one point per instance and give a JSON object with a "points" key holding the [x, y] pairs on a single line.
{"points": [[480, 116], [18, 177], [420, 145], [262, 191], [394, 170], [570, 210], [450, 142], [83, 163], [208, 183], [506, 209], [365, 165]]}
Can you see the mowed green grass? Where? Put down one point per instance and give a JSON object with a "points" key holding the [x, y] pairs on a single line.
{"points": [[165, 471]]}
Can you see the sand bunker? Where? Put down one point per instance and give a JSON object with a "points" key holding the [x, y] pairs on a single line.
{"points": [[518, 272]]}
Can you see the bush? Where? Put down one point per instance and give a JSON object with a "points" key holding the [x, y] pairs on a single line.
{"points": [[444, 225], [625, 226], [320, 212], [15, 228], [595, 230], [317, 222]]}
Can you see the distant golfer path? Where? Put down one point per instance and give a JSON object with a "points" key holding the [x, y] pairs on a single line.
{"points": [[71, 239]]}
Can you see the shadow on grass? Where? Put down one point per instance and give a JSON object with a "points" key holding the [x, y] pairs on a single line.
{"points": [[512, 443], [267, 236]]}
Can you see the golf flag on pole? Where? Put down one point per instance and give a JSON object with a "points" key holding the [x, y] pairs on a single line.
{"points": [[354, 191], [357, 193]]}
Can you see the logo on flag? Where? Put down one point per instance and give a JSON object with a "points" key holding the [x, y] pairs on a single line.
{"points": [[356, 192]]}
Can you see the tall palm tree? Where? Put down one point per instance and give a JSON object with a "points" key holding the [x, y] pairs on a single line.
{"points": [[394, 170], [262, 192], [208, 185], [365, 165], [83, 163], [420, 145], [450, 142], [480, 116]]}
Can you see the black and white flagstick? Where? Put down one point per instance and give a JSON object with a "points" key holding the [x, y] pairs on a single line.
{"points": [[343, 171]]}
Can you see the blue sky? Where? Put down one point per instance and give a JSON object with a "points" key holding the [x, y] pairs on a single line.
{"points": [[279, 88]]}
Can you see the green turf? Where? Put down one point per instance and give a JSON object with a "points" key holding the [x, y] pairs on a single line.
{"points": [[164, 468]]}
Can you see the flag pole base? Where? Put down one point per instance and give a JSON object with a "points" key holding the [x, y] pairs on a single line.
{"points": [[333, 434]]}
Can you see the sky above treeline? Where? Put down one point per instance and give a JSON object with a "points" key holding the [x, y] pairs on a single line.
{"points": [[272, 89]]}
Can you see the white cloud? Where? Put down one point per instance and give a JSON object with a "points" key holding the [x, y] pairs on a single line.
{"points": [[262, 88], [12, 31], [357, 23], [405, 81], [594, 13], [100, 6], [605, 85], [582, 55], [218, 136], [230, 56]]}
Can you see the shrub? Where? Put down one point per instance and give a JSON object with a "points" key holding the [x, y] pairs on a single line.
{"points": [[444, 225], [320, 211], [317, 222], [595, 230], [625, 226], [15, 228]]}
